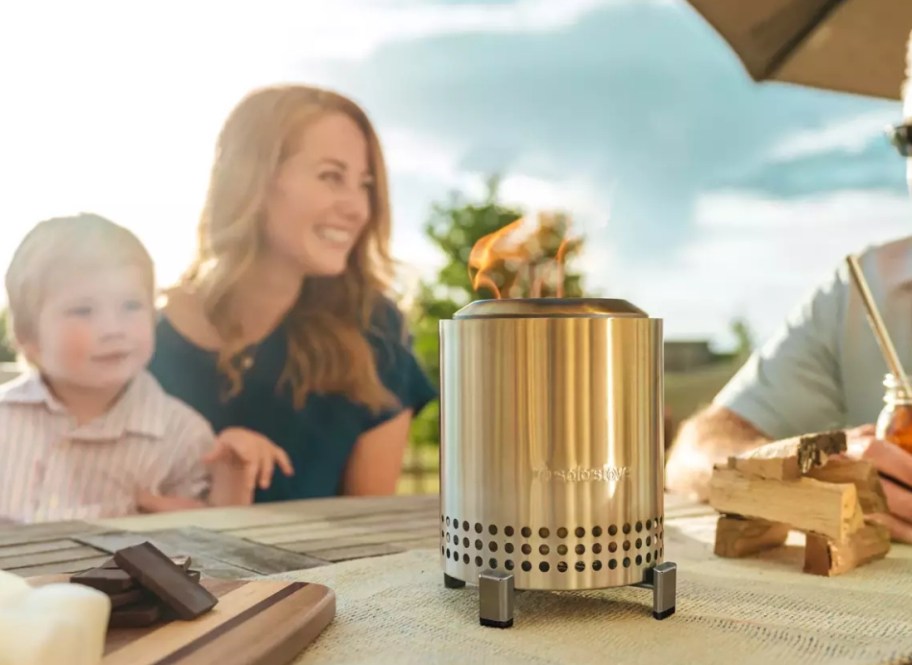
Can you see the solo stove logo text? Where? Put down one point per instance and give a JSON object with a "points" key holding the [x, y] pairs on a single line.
{"points": [[600, 474]]}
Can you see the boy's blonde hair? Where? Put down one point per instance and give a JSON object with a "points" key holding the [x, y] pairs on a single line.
{"points": [[59, 248]]}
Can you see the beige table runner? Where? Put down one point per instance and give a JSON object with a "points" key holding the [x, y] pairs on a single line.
{"points": [[764, 610]]}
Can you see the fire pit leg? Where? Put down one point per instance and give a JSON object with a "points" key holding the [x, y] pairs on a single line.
{"points": [[495, 599], [452, 582], [662, 579]]}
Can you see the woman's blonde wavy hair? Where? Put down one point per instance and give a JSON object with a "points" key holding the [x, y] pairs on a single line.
{"points": [[327, 348]]}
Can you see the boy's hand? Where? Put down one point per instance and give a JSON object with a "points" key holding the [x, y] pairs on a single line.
{"points": [[149, 502], [229, 483], [256, 454]]}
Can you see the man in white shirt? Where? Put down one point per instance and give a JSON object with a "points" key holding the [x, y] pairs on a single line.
{"points": [[821, 370]]}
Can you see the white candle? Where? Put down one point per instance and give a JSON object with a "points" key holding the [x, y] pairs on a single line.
{"points": [[56, 624], [39, 638], [88, 608], [12, 587]]}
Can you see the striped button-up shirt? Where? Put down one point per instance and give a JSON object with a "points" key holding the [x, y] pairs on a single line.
{"points": [[53, 469]]}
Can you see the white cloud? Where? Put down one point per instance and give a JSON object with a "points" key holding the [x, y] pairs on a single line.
{"points": [[735, 212], [431, 166], [333, 33], [114, 107], [759, 258], [588, 207], [850, 135], [409, 153], [270, 31], [412, 153], [749, 256]]}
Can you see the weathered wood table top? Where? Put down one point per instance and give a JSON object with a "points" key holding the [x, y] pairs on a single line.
{"points": [[234, 542]]}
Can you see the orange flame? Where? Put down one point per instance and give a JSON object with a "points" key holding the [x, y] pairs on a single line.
{"points": [[521, 253], [561, 255]]}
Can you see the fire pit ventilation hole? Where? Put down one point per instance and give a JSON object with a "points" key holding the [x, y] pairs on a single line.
{"points": [[646, 549]]}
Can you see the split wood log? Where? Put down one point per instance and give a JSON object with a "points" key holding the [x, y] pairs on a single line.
{"points": [[825, 557], [741, 536], [812, 506], [860, 473], [789, 459]]}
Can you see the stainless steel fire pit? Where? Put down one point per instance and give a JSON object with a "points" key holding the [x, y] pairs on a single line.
{"points": [[552, 460]]}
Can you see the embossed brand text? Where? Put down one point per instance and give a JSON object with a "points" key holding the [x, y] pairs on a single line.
{"points": [[578, 474]]}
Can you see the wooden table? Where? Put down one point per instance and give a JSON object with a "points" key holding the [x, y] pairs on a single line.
{"points": [[234, 542], [770, 607]]}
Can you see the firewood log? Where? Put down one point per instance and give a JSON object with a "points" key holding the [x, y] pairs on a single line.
{"points": [[828, 509], [862, 474], [789, 459], [825, 557], [738, 536]]}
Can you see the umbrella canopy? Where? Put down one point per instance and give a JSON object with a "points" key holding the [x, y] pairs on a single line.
{"points": [[856, 46]]}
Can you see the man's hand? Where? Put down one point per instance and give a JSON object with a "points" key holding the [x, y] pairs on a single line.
{"points": [[257, 455], [892, 461], [710, 437]]}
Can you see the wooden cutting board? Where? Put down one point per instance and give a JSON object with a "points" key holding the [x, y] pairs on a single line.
{"points": [[254, 623]]}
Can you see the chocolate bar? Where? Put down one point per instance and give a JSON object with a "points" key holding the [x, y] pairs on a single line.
{"points": [[135, 616], [182, 561], [194, 575], [157, 573], [130, 597], [109, 580]]}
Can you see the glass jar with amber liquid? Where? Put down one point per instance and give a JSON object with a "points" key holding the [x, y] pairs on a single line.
{"points": [[894, 424]]}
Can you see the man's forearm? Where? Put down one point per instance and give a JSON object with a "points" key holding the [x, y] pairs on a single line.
{"points": [[708, 438]]}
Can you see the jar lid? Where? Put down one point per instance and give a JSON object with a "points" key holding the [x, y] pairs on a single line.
{"points": [[538, 308], [890, 381]]}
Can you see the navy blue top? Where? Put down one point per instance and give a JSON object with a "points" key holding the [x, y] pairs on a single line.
{"points": [[319, 437]]}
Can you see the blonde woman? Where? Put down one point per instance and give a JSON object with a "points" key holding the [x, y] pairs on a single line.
{"points": [[280, 333]]}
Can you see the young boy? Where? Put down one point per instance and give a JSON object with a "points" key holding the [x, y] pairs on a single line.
{"points": [[87, 432]]}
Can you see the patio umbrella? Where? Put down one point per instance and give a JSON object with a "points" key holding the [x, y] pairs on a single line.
{"points": [[855, 46]]}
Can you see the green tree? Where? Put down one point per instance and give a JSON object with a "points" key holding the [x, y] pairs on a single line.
{"points": [[744, 338], [455, 227], [7, 350]]}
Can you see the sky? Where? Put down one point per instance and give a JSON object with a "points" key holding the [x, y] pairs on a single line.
{"points": [[702, 196]]}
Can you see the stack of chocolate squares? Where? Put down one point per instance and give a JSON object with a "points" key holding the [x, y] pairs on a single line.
{"points": [[144, 586]]}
